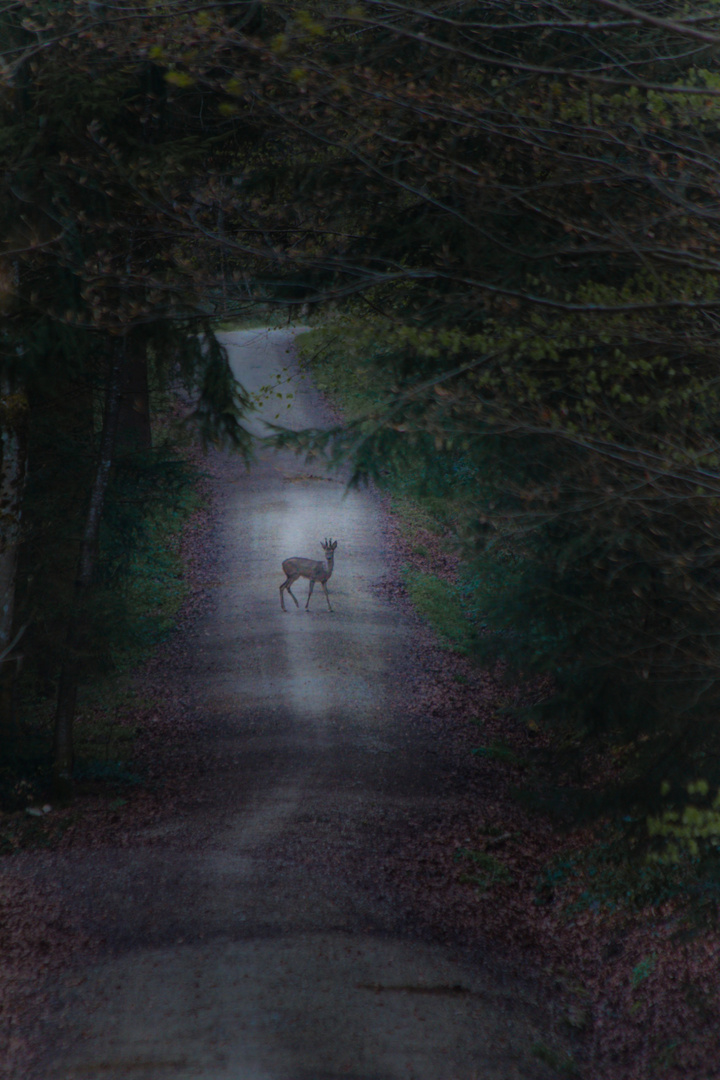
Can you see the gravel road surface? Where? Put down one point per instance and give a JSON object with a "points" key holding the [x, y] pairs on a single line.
{"points": [[230, 955]]}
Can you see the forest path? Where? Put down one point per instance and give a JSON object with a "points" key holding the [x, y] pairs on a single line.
{"points": [[230, 955]]}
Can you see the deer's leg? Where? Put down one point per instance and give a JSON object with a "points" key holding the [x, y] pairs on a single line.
{"points": [[286, 585], [293, 594], [292, 578], [326, 594], [312, 586]]}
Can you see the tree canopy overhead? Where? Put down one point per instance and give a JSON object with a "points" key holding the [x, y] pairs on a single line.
{"points": [[525, 197], [514, 205]]}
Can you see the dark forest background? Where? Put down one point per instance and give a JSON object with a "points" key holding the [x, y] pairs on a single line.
{"points": [[503, 221]]}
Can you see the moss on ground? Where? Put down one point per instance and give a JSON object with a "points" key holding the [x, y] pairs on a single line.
{"points": [[440, 602]]}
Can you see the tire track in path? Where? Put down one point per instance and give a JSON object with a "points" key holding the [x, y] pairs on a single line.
{"points": [[228, 961]]}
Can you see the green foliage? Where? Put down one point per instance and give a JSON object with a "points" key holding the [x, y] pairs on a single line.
{"points": [[496, 751], [560, 1061], [441, 604], [558, 582], [19, 832], [141, 574], [340, 357], [556, 348], [643, 970], [482, 869], [108, 264], [106, 772], [222, 400], [140, 588], [615, 874], [524, 276], [687, 834]]}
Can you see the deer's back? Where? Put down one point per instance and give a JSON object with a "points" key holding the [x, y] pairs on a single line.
{"points": [[304, 567]]}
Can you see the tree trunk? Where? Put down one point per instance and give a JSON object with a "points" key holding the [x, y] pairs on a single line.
{"points": [[13, 439], [134, 418], [70, 670], [13, 433]]}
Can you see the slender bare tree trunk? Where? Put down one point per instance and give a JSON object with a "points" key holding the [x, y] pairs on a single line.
{"points": [[70, 670], [13, 465], [134, 431], [13, 434]]}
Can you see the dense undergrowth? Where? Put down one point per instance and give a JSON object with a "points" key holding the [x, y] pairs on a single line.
{"points": [[583, 851], [503, 602], [140, 587]]}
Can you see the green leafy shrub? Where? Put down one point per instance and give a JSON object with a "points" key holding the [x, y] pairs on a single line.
{"points": [[141, 586], [441, 604], [496, 751], [483, 869], [141, 572]]}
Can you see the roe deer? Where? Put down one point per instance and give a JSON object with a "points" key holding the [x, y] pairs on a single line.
{"points": [[315, 571]]}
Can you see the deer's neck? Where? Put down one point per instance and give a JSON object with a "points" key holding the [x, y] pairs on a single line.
{"points": [[329, 568]]}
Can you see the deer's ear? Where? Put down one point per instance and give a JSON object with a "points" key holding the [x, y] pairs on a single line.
{"points": [[334, 545]]}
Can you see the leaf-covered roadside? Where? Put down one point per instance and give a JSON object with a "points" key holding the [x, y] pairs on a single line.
{"points": [[488, 868], [531, 244], [605, 592], [102, 301], [630, 941], [140, 765], [139, 589]]}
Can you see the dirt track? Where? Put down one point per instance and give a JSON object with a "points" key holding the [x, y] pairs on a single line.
{"points": [[229, 955]]}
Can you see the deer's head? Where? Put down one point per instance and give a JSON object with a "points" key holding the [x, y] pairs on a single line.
{"points": [[329, 549]]}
